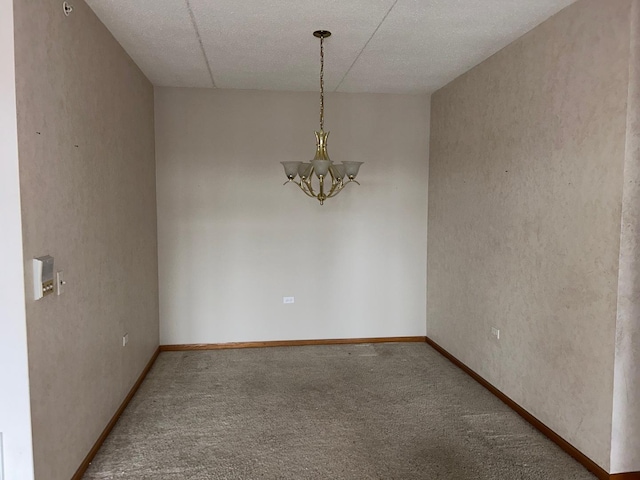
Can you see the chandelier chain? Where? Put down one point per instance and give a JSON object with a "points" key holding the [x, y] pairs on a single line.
{"points": [[321, 83]]}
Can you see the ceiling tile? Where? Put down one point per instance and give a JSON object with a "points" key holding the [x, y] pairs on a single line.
{"points": [[159, 37], [269, 44], [422, 45]]}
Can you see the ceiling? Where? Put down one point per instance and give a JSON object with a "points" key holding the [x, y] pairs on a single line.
{"points": [[385, 46]]}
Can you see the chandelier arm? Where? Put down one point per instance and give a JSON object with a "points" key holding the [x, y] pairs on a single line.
{"points": [[304, 190], [307, 188], [334, 185], [310, 187], [303, 185], [291, 180], [336, 190]]}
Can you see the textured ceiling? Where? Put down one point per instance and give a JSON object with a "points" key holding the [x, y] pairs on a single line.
{"points": [[392, 46]]}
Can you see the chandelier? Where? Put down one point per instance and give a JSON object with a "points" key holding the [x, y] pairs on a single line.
{"points": [[341, 173]]}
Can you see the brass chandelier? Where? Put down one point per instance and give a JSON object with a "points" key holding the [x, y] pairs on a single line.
{"points": [[341, 174]]}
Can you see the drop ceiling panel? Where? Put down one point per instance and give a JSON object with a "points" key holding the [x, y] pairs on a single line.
{"points": [[159, 37], [398, 46], [269, 44], [422, 45]]}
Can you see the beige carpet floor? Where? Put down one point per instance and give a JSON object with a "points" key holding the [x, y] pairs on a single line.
{"points": [[383, 411]]}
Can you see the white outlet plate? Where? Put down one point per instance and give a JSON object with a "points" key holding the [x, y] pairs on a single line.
{"points": [[288, 299], [125, 339], [495, 332]]}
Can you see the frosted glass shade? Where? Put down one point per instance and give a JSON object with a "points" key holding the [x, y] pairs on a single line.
{"points": [[304, 170], [338, 170], [290, 169], [321, 167], [352, 168]]}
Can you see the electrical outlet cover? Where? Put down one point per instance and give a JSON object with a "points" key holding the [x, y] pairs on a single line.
{"points": [[60, 283]]}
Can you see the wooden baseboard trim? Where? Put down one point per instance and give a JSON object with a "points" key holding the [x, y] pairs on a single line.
{"points": [[553, 436], [562, 443], [96, 446], [288, 343]]}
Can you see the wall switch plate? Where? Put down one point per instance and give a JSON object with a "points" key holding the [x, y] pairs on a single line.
{"points": [[288, 299], [60, 283], [495, 332], [125, 339]]}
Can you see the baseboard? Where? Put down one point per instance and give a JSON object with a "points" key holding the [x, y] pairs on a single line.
{"points": [[287, 343], [92, 453], [562, 443], [553, 436]]}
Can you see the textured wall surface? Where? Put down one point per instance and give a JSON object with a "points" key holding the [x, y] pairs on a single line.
{"points": [[233, 240], [625, 438], [525, 195], [16, 460], [86, 149]]}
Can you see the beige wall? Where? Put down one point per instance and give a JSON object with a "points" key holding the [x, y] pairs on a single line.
{"points": [[86, 149], [233, 240], [525, 191]]}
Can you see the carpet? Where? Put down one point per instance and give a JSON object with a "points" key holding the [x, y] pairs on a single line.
{"points": [[372, 411]]}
